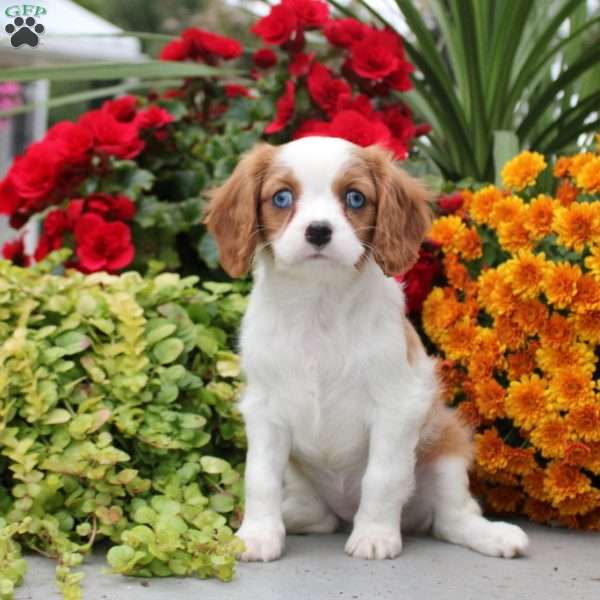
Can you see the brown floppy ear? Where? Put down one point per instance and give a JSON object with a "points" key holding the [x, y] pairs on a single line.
{"points": [[403, 213], [232, 212]]}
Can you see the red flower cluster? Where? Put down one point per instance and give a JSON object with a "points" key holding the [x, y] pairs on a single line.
{"points": [[15, 252], [345, 105], [202, 46], [419, 281], [103, 239], [53, 168]]}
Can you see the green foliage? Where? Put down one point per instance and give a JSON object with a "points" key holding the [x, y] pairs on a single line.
{"points": [[485, 67], [118, 422]]}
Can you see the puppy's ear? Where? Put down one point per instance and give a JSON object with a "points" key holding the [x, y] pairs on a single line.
{"points": [[403, 213], [232, 212]]}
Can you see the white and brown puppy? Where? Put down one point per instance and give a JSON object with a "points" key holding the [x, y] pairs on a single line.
{"points": [[342, 405]]}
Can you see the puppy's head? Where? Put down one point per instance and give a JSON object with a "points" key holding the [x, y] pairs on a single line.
{"points": [[319, 203]]}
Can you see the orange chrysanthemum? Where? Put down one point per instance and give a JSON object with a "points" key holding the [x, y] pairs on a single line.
{"points": [[504, 499], [580, 504], [458, 340], [440, 310], [579, 161], [566, 193], [525, 273], [530, 315], [557, 331], [506, 210], [520, 363], [540, 213], [588, 178], [446, 230], [491, 451], [538, 511], [468, 413], [483, 202], [456, 273], [592, 262], [561, 167], [587, 326], [565, 481], [468, 244], [570, 386], [550, 357], [510, 335], [551, 436], [526, 402], [523, 170], [577, 225], [560, 283], [585, 420], [521, 461], [489, 397], [587, 297], [577, 454], [533, 483], [593, 462], [514, 236]]}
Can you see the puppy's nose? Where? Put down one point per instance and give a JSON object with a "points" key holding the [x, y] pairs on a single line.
{"points": [[318, 233]]}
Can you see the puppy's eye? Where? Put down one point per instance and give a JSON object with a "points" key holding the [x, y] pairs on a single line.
{"points": [[283, 198], [355, 199]]}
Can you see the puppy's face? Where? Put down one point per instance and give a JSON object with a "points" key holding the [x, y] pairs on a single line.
{"points": [[319, 203]]}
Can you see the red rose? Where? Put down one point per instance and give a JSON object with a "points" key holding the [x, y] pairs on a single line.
{"points": [[450, 203], [398, 118], [422, 129], [56, 223], [234, 90], [15, 252], [356, 128], [9, 199], [207, 46], [74, 211], [419, 280], [399, 80], [376, 55], [325, 90], [284, 109], [111, 137], [345, 32], [175, 50], [113, 208], [123, 109], [312, 127], [264, 58], [73, 142], [361, 104], [278, 26], [300, 64], [154, 117], [102, 245], [35, 175], [310, 13]]}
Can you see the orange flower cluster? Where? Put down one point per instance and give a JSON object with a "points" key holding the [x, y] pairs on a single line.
{"points": [[518, 330]]}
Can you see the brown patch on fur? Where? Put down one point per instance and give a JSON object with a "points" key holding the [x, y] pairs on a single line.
{"points": [[272, 219], [414, 346], [403, 212], [232, 213], [444, 435], [358, 177]]}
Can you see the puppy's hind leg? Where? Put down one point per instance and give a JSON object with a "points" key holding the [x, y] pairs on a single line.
{"points": [[457, 516], [303, 510]]}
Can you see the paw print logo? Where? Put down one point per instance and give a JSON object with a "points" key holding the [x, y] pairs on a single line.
{"points": [[24, 31]]}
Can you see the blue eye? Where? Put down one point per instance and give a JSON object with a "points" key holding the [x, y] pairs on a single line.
{"points": [[283, 199], [355, 199]]}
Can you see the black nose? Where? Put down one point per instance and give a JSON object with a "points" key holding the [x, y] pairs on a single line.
{"points": [[318, 233]]}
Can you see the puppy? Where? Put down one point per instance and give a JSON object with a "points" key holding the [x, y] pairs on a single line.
{"points": [[342, 405]]}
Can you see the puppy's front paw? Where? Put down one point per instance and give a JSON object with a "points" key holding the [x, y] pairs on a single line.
{"points": [[503, 540], [263, 542], [374, 543]]}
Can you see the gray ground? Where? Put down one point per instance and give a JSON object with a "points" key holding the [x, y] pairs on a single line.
{"points": [[563, 565]]}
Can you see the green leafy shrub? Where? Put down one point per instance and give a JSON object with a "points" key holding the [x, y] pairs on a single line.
{"points": [[118, 422]]}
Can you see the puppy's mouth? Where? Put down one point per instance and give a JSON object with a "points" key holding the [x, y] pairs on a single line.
{"points": [[317, 256]]}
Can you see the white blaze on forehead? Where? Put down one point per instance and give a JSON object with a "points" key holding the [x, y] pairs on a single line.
{"points": [[316, 161]]}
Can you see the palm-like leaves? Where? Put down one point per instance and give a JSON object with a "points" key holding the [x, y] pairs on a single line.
{"points": [[501, 66]]}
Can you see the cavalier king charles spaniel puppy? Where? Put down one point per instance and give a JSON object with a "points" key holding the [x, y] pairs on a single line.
{"points": [[342, 405]]}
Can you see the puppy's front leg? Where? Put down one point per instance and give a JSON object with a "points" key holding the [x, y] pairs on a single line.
{"points": [[388, 481], [262, 529]]}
